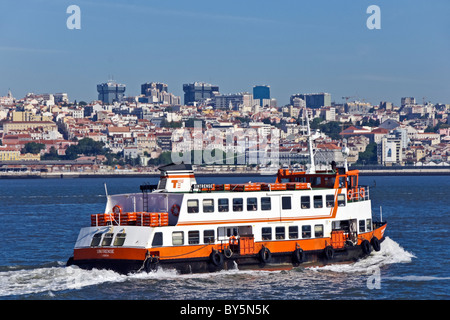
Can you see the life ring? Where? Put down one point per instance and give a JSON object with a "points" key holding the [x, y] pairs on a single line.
{"points": [[365, 245], [362, 193], [299, 255], [375, 244], [216, 258], [117, 209], [265, 255], [350, 194], [233, 241], [329, 252], [175, 210]]}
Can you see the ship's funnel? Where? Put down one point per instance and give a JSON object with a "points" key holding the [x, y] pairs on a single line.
{"points": [[176, 178]]}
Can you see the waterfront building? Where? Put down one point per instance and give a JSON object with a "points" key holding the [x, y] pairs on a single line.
{"points": [[110, 92], [198, 92]]}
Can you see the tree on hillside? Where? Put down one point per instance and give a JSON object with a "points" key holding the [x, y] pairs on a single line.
{"points": [[33, 147], [86, 146]]}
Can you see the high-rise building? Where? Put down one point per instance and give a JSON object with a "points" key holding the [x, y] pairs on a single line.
{"points": [[147, 87], [260, 93], [157, 92], [313, 100], [408, 101], [198, 92], [110, 92]]}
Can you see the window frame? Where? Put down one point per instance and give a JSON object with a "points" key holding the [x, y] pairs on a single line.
{"points": [[286, 205], [236, 205], [211, 206], [266, 206], [293, 230], [304, 203], [265, 231], [306, 231], [179, 240], [188, 206], [222, 207], [316, 203], [193, 237]]}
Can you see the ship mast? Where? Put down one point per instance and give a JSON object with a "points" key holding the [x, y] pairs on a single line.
{"points": [[312, 167]]}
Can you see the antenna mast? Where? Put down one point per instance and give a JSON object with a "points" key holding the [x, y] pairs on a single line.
{"points": [[312, 167]]}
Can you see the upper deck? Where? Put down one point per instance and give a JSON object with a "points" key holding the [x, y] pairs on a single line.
{"points": [[292, 195]]}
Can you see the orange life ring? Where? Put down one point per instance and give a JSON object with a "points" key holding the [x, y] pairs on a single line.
{"points": [[362, 192], [233, 241], [117, 209], [350, 194], [175, 210]]}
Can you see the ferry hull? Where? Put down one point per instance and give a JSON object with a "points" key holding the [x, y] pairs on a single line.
{"points": [[271, 261]]}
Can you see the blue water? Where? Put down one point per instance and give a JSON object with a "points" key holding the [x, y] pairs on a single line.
{"points": [[40, 220]]}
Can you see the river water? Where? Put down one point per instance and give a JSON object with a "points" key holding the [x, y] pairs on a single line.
{"points": [[40, 220]]}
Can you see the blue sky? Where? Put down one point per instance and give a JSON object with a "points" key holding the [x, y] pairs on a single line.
{"points": [[293, 46]]}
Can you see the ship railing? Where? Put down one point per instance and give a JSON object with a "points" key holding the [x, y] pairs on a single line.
{"points": [[360, 193]]}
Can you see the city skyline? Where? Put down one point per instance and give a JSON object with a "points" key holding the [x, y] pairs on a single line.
{"points": [[293, 47]]}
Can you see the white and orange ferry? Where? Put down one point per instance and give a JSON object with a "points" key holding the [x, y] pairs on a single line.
{"points": [[303, 218]]}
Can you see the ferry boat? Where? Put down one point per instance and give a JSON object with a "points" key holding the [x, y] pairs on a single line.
{"points": [[301, 219]]}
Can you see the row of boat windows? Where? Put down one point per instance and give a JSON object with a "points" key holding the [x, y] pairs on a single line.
{"points": [[193, 237], [267, 233], [265, 203]]}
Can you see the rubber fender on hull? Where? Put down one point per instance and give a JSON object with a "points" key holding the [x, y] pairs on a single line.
{"points": [[265, 255], [365, 245], [298, 255], [151, 264], [376, 244], [329, 252], [216, 258]]}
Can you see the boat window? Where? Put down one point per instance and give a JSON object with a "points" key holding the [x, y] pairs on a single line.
{"points": [[329, 200], [193, 237], [178, 238], [238, 204], [120, 239], [252, 204], [280, 233], [232, 231], [107, 239], [315, 181], [208, 236], [318, 230], [223, 205], [266, 233], [305, 202], [192, 206], [362, 226], [286, 203], [318, 202], [265, 203], [369, 225], [306, 232], [293, 232], [157, 239], [208, 205], [341, 200], [96, 240]]}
